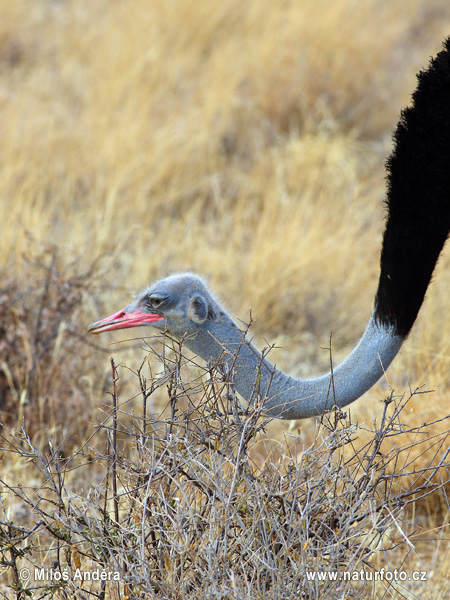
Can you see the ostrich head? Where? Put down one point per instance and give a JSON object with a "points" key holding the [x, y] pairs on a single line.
{"points": [[180, 304]]}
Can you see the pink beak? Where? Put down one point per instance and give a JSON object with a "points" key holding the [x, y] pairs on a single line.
{"points": [[122, 320]]}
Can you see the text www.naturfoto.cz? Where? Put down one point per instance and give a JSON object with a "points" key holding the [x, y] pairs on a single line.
{"points": [[362, 575]]}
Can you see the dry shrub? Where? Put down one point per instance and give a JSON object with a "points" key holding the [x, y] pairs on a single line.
{"points": [[187, 512], [39, 312]]}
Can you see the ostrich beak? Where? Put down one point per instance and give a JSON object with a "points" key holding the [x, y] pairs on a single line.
{"points": [[124, 319]]}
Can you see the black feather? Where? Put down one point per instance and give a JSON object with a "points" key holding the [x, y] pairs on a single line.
{"points": [[418, 198]]}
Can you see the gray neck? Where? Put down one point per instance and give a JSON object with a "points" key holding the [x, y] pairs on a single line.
{"points": [[286, 397]]}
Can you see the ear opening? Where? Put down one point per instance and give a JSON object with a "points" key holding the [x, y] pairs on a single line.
{"points": [[198, 309]]}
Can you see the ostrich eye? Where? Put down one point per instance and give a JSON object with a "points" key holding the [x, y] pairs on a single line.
{"points": [[155, 302]]}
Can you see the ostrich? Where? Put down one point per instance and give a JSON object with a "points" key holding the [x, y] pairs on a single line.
{"points": [[417, 226]]}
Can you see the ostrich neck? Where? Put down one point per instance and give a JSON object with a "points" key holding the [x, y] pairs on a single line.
{"points": [[286, 397]]}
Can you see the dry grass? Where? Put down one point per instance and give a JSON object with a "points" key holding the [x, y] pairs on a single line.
{"points": [[244, 141], [187, 511]]}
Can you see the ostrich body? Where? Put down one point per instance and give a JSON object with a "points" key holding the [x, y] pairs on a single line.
{"points": [[418, 224]]}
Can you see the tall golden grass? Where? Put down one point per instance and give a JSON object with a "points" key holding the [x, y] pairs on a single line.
{"points": [[245, 141], [242, 140]]}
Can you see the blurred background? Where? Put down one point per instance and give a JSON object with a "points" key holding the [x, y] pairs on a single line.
{"points": [[244, 141]]}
